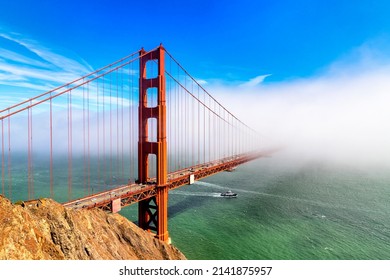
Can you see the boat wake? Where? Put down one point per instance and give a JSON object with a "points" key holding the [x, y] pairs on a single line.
{"points": [[205, 184], [199, 194], [310, 202]]}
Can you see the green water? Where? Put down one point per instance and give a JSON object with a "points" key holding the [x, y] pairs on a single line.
{"points": [[284, 210], [311, 211]]}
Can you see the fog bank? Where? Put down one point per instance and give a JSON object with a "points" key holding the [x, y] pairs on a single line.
{"points": [[341, 114]]}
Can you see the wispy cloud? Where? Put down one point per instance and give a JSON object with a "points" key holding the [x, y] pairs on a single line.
{"points": [[8, 55], [255, 81], [28, 66], [201, 81]]}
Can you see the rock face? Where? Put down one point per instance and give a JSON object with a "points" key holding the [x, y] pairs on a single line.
{"points": [[47, 230]]}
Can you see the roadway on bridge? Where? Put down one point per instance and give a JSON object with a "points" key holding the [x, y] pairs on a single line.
{"points": [[133, 193]]}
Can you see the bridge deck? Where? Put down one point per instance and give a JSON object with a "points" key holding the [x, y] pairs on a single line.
{"points": [[133, 193]]}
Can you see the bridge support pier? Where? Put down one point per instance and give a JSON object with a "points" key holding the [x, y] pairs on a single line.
{"points": [[162, 210], [153, 212]]}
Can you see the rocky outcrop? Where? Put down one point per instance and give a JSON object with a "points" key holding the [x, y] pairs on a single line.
{"points": [[46, 230]]}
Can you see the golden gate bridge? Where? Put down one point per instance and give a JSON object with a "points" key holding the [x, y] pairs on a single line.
{"points": [[126, 133]]}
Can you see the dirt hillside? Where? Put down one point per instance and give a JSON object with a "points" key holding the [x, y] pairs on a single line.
{"points": [[47, 230]]}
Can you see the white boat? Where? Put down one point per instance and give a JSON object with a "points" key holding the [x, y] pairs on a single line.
{"points": [[229, 193]]}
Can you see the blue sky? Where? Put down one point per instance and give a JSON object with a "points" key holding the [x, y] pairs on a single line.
{"points": [[215, 40], [310, 73]]}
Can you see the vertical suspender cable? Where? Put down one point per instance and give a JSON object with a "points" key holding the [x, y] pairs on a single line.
{"points": [[199, 161], [109, 181], [9, 158], [134, 121], [98, 133], [84, 147], [204, 129], [104, 134], [2, 159], [28, 155], [51, 149], [169, 108], [130, 123], [110, 167], [178, 117], [69, 145], [185, 126], [122, 128], [88, 147], [30, 160]]}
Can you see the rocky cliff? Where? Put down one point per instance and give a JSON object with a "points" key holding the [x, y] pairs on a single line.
{"points": [[46, 230]]}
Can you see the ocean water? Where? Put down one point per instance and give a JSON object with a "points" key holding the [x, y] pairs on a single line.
{"points": [[284, 211]]}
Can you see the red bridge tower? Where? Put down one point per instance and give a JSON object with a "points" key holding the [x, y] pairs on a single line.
{"points": [[153, 212]]}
